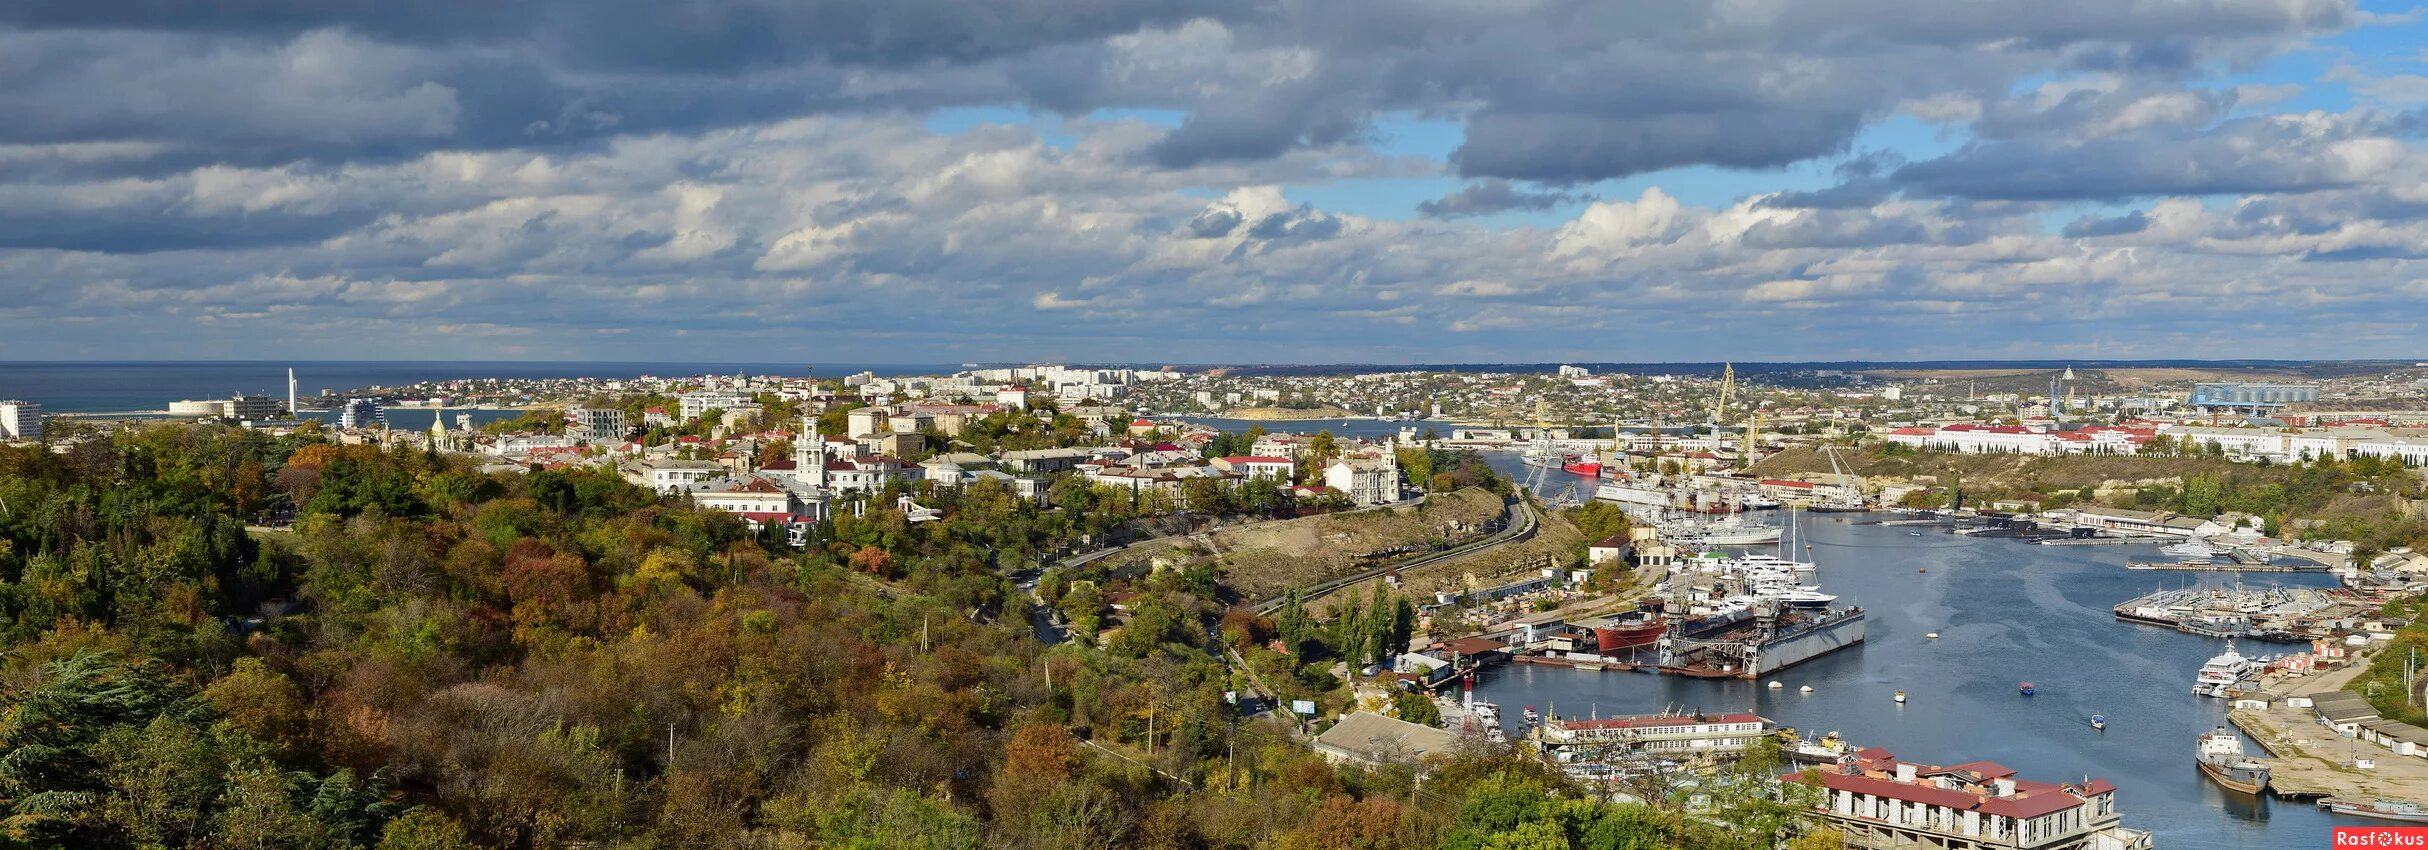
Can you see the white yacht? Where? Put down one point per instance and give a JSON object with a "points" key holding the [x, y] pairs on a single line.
{"points": [[2220, 674], [2191, 549], [1730, 530]]}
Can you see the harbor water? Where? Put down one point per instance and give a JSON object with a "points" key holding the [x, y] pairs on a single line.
{"points": [[2006, 612]]}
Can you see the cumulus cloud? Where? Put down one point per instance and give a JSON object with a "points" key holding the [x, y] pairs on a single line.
{"points": [[721, 177]]}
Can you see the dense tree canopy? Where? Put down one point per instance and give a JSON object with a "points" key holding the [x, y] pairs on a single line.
{"points": [[434, 658]]}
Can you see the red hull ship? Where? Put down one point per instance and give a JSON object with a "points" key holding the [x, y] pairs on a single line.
{"points": [[1587, 468], [1623, 635]]}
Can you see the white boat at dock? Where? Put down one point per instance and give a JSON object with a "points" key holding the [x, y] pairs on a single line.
{"points": [[2221, 674]]}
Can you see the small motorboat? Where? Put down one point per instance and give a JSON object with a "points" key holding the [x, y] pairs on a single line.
{"points": [[1921, 569], [2099, 722], [2025, 688], [1900, 698], [1913, 534], [1805, 690], [1775, 685], [1930, 635]]}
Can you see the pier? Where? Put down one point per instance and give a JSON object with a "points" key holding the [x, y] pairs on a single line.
{"points": [[2226, 567], [2308, 760]]}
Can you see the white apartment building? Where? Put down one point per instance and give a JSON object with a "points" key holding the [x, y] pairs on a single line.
{"points": [[2411, 450], [1365, 482], [671, 476], [692, 405], [20, 420], [2235, 442], [2337, 443], [1253, 466]]}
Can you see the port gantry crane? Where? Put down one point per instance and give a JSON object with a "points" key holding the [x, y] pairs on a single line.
{"points": [[1542, 457]]}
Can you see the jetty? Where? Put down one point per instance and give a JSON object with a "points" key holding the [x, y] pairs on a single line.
{"points": [[2278, 614], [2223, 567], [2308, 759]]}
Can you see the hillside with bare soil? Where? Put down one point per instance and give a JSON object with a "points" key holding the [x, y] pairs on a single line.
{"points": [[1263, 559]]}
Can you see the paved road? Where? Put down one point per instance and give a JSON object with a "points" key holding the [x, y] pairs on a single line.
{"points": [[1523, 530]]}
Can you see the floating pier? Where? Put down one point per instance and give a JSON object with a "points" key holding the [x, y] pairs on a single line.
{"points": [[2225, 567]]}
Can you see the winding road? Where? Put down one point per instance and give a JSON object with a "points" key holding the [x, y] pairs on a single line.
{"points": [[1521, 531]]}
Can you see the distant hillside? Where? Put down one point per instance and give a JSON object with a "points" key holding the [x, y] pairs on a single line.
{"points": [[2366, 499]]}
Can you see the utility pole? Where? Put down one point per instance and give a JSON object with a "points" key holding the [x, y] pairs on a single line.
{"points": [[670, 747]]}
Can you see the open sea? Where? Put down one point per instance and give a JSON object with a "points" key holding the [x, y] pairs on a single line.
{"points": [[149, 386]]}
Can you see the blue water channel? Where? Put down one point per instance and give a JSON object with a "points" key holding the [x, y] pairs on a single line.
{"points": [[2007, 612]]}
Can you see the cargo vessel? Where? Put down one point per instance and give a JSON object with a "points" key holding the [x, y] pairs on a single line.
{"points": [[2220, 755], [1633, 631]]}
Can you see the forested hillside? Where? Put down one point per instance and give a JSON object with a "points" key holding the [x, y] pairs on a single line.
{"points": [[436, 658]]}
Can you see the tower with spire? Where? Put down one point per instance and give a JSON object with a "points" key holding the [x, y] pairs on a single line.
{"points": [[809, 454]]}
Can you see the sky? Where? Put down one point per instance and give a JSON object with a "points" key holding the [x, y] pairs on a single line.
{"points": [[1221, 181]]}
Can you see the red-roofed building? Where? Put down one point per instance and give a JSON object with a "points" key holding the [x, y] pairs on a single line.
{"points": [[1880, 803], [1658, 733]]}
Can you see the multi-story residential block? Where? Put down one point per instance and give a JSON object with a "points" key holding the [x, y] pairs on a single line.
{"points": [[692, 406], [597, 424], [254, 407], [20, 420]]}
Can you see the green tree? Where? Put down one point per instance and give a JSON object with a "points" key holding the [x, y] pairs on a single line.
{"points": [[424, 828], [52, 779], [1416, 708]]}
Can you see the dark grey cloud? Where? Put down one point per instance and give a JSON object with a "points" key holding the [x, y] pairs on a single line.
{"points": [[2123, 225], [701, 36], [2264, 154], [1566, 91], [1574, 147], [1485, 197]]}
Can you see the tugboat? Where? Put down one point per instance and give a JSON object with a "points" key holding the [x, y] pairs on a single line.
{"points": [[2099, 722], [1533, 718], [2025, 688], [2221, 757]]}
